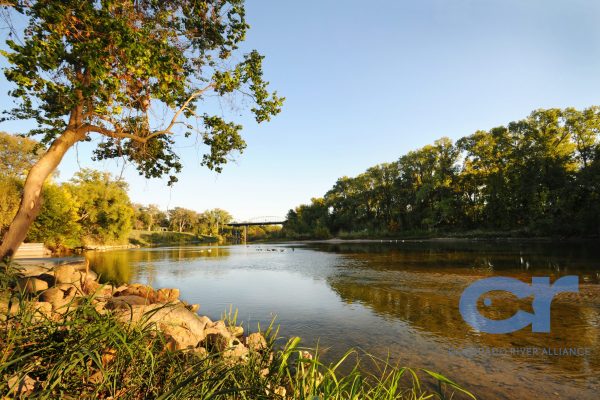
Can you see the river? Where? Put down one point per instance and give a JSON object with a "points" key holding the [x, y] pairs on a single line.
{"points": [[399, 301]]}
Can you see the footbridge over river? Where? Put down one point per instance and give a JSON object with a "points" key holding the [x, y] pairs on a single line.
{"points": [[257, 221]]}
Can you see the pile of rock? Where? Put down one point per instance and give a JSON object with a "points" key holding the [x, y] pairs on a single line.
{"points": [[54, 290]]}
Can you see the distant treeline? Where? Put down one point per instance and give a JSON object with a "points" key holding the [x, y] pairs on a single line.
{"points": [[536, 176]]}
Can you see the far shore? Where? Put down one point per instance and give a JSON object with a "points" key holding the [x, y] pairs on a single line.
{"points": [[448, 239]]}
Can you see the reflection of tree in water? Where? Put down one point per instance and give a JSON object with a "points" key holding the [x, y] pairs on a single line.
{"points": [[504, 255], [142, 264], [431, 306]]}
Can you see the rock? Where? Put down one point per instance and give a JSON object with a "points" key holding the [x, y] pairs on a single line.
{"points": [[124, 302], [91, 287], [31, 285], [280, 391], [256, 342], [218, 337], [236, 352], [137, 289], [217, 341], [167, 295], [59, 298], [20, 385], [76, 287], [53, 296], [31, 270], [66, 273], [4, 311], [42, 310], [99, 306], [180, 337], [79, 265], [217, 326], [201, 352], [236, 331], [90, 275], [165, 315], [120, 289], [193, 307]]}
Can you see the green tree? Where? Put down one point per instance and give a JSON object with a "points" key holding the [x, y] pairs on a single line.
{"points": [[10, 197], [104, 208], [308, 220], [85, 68], [17, 155], [57, 225], [182, 219], [148, 217], [215, 219]]}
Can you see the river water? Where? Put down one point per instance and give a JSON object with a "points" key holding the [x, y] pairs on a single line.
{"points": [[397, 301]]}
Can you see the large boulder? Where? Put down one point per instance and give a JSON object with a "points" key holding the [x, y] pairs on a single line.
{"points": [[60, 299], [180, 337], [183, 328]]}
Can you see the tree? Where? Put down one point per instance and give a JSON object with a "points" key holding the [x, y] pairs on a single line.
{"points": [[85, 68], [104, 209], [58, 223], [182, 219], [10, 197], [17, 155], [148, 217], [215, 219]]}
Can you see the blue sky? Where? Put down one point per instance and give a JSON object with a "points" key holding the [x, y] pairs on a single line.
{"points": [[367, 82]]}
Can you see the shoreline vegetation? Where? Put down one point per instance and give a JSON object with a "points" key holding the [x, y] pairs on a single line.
{"points": [[65, 335]]}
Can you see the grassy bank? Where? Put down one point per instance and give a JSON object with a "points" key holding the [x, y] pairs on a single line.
{"points": [[86, 354], [477, 234], [160, 238]]}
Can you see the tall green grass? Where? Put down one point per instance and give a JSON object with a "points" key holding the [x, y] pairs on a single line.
{"points": [[88, 355]]}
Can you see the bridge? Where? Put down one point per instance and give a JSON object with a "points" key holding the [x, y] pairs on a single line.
{"points": [[257, 221], [269, 220]]}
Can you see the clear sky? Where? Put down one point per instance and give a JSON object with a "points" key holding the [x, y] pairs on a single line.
{"points": [[368, 81]]}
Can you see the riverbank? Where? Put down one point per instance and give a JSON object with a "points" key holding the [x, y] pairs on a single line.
{"points": [[475, 236], [66, 335], [166, 238]]}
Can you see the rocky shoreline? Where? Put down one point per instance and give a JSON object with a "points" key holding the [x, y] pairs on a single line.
{"points": [[52, 291]]}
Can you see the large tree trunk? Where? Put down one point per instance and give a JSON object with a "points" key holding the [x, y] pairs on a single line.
{"points": [[32, 191]]}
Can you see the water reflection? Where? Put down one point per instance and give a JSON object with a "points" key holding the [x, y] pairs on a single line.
{"points": [[124, 266]]}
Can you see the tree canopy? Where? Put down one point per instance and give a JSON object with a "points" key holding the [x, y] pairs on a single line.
{"points": [[106, 66]]}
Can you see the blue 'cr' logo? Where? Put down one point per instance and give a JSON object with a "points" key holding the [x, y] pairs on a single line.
{"points": [[540, 288]]}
